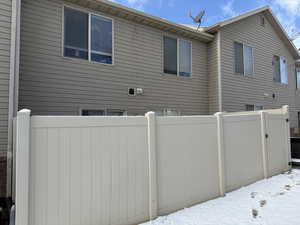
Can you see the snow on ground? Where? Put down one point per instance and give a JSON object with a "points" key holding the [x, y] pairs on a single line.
{"points": [[275, 201]]}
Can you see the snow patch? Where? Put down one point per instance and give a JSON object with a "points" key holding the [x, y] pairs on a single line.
{"points": [[274, 201]]}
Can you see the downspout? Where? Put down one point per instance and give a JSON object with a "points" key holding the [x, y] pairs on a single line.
{"points": [[13, 86], [219, 71]]}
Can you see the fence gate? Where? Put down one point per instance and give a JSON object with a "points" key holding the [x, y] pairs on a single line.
{"points": [[277, 153]]}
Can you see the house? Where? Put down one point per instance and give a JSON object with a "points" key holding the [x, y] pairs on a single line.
{"points": [[256, 65], [140, 63]]}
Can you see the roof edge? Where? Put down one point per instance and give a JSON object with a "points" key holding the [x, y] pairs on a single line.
{"points": [[214, 28], [154, 19]]}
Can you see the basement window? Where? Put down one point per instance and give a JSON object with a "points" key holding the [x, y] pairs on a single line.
{"points": [[177, 57], [103, 112], [88, 36], [250, 107]]}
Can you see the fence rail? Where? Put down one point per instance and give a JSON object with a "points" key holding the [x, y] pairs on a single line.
{"points": [[126, 170]]}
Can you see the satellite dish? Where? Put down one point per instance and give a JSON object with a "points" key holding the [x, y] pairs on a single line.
{"points": [[198, 18]]}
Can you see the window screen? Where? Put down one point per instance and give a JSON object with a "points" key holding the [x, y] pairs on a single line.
{"points": [[283, 71], [76, 34], [101, 39], [185, 65], [298, 78], [248, 60], [276, 68], [239, 58], [170, 55]]}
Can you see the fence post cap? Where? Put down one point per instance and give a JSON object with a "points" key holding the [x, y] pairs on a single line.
{"points": [[24, 111], [151, 113], [218, 113]]}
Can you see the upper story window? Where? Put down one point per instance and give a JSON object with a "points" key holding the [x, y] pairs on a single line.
{"points": [[262, 21], [279, 69], [243, 55], [177, 57], [88, 36], [297, 78]]}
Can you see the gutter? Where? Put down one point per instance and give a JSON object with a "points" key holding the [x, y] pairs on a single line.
{"points": [[13, 87]]}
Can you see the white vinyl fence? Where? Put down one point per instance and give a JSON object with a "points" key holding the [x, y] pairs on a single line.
{"points": [[126, 170]]}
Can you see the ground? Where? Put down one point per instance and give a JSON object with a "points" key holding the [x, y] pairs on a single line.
{"points": [[275, 201]]}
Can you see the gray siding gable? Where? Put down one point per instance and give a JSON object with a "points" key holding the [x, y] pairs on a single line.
{"points": [[238, 90]]}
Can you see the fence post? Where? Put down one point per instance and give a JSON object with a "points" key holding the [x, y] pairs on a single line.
{"points": [[285, 110], [153, 208], [22, 167], [221, 153], [263, 116]]}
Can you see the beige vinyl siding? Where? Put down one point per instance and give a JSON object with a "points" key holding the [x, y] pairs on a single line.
{"points": [[213, 84], [5, 21], [53, 85], [238, 90]]}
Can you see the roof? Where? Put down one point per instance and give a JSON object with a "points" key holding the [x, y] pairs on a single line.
{"points": [[272, 19], [143, 18]]}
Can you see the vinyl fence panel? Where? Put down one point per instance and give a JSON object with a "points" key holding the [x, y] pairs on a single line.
{"points": [[92, 174], [243, 151], [187, 161], [126, 170]]}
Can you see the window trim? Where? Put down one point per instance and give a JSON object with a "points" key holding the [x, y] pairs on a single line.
{"points": [[89, 12], [253, 67], [163, 62]]}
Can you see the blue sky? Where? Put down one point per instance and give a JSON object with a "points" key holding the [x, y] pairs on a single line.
{"points": [[287, 11]]}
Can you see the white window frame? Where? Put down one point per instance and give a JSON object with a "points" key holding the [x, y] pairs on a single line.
{"points": [[243, 74], [163, 64], [90, 13]]}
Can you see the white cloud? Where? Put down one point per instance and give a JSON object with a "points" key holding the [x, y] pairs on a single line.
{"points": [[228, 10], [137, 4], [287, 12], [290, 6]]}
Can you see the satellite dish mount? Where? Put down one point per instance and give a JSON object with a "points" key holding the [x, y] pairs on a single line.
{"points": [[198, 18]]}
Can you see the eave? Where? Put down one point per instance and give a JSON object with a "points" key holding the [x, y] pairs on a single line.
{"points": [[142, 18]]}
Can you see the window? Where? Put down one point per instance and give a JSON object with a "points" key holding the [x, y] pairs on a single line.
{"points": [[279, 69], [167, 112], [254, 107], [262, 21], [177, 57], [76, 34], [92, 112], [88, 36], [185, 54], [102, 112], [115, 112], [298, 78], [170, 55], [243, 55]]}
